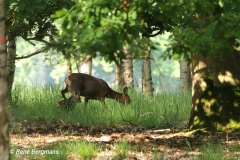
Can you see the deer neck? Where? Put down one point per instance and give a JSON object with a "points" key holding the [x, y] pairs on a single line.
{"points": [[114, 95]]}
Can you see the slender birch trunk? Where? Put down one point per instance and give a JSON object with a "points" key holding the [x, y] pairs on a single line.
{"points": [[185, 75], [67, 57], [11, 64], [69, 66], [127, 68], [117, 75], [86, 64], [146, 74]]}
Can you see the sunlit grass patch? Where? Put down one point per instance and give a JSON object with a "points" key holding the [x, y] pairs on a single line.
{"points": [[62, 150], [38, 106], [212, 152], [122, 148], [81, 149]]}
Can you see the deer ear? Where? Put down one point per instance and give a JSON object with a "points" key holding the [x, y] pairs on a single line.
{"points": [[125, 90]]}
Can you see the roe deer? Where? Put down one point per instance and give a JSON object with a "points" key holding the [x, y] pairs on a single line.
{"points": [[80, 84]]}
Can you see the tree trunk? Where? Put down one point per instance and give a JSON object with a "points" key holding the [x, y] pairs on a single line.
{"points": [[67, 57], [117, 75], [118, 64], [77, 61], [146, 73], [86, 64], [215, 93], [69, 66], [185, 75], [127, 68], [11, 64], [4, 124]]}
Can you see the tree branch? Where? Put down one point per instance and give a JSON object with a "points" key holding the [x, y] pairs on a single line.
{"points": [[30, 55], [35, 39], [28, 41], [152, 35]]}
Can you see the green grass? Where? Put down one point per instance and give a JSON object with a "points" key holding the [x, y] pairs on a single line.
{"points": [[63, 150], [212, 151], [82, 149], [122, 148], [38, 105]]}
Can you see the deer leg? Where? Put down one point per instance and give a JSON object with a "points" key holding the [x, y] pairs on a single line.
{"points": [[85, 103], [103, 101], [78, 98], [63, 92], [77, 95]]}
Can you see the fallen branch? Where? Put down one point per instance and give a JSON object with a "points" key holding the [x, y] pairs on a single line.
{"points": [[23, 57]]}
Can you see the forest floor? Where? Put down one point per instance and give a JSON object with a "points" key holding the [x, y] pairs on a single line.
{"points": [[147, 143]]}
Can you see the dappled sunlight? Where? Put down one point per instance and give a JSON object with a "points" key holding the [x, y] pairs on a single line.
{"points": [[197, 120], [201, 65], [196, 103], [232, 123], [228, 78], [203, 85], [208, 103], [215, 93], [107, 142], [217, 109], [198, 77]]}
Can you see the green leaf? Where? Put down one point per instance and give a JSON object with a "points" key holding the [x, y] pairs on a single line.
{"points": [[59, 14]]}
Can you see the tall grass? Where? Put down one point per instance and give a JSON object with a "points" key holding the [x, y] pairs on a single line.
{"points": [[38, 106]]}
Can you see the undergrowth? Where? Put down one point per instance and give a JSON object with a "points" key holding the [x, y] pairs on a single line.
{"points": [[38, 105]]}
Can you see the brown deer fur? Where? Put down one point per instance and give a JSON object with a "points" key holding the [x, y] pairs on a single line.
{"points": [[80, 84]]}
